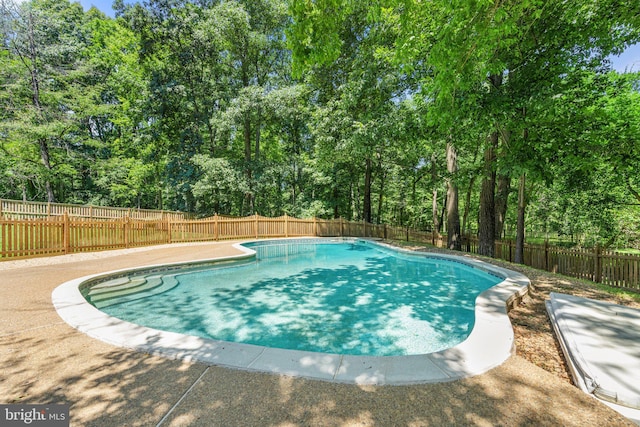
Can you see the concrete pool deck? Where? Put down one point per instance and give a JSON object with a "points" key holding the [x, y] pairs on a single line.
{"points": [[46, 361]]}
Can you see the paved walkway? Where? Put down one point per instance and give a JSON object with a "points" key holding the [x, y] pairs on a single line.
{"points": [[43, 360]]}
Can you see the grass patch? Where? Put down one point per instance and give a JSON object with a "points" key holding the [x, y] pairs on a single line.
{"points": [[629, 251], [620, 292]]}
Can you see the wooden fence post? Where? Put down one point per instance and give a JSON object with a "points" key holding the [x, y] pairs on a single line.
{"points": [[546, 255], [125, 229], [215, 227], [286, 226], [169, 226], [597, 277], [341, 227], [510, 251], [65, 233], [315, 226], [255, 226]]}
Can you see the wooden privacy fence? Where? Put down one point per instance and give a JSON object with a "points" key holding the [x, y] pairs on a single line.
{"points": [[598, 265], [66, 234], [16, 209]]}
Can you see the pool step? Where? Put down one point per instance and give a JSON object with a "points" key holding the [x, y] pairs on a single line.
{"points": [[129, 290], [119, 286], [111, 284]]}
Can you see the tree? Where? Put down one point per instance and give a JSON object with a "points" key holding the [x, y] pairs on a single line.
{"points": [[516, 51], [358, 86], [45, 97], [210, 68], [594, 129]]}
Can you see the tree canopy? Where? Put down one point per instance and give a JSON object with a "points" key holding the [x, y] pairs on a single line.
{"points": [[495, 118]]}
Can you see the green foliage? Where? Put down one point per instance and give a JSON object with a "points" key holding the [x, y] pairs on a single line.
{"points": [[49, 96], [220, 185], [326, 108]]}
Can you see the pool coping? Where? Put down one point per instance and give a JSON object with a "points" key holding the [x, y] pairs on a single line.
{"points": [[490, 343]]}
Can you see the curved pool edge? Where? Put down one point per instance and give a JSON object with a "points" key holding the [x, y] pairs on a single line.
{"points": [[490, 343]]}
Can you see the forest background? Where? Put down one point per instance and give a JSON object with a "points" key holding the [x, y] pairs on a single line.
{"points": [[493, 118]]}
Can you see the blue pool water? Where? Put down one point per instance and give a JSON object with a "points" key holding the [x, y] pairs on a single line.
{"points": [[348, 298]]}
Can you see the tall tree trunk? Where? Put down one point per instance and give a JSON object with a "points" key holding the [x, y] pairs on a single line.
{"points": [[522, 205], [366, 205], [44, 157], [35, 96], [246, 133], [453, 216], [294, 184], [502, 197], [467, 201], [502, 194], [487, 214], [434, 197], [336, 196], [381, 195], [487, 219], [258, 129], [442, 214], [467, 204], [354, 200]]}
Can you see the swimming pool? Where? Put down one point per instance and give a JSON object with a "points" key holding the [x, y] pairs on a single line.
{"points": [[489, 343], [346, 297]]}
